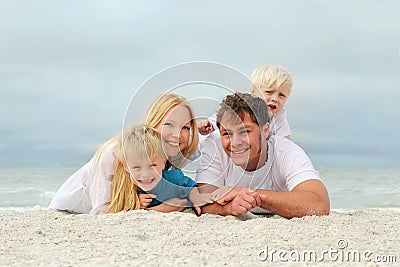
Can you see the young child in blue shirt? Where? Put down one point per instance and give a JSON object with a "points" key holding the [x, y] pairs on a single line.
{"points": [[145, 161]]}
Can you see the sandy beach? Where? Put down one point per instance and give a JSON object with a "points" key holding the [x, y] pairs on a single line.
{"points": [[147, 238]]}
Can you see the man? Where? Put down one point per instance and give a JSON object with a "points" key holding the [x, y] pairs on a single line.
{"points": [[253, 170]]}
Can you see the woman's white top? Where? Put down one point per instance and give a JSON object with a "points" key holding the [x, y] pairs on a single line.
{"points": [[88, 189]]}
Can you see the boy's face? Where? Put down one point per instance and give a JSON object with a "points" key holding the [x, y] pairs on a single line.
{"points": [[146, 172], [274, 97]]}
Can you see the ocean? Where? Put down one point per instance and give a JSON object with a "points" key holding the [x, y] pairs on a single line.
{"points": [[350, 188]]}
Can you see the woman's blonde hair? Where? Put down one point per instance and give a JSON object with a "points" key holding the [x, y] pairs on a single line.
{"points": [[143, 142], [270, 76], [156, 114]]}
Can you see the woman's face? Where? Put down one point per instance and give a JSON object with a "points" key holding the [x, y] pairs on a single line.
{"points": [[175, 130]]}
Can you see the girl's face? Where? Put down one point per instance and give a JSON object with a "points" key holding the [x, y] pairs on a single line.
{"points": [[146, 172], [175, 130]]}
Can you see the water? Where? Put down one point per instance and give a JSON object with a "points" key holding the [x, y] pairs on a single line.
{"points": [[350, 188]]}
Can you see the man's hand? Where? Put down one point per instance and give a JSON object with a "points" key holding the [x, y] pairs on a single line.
{"points": [[238, 200]]}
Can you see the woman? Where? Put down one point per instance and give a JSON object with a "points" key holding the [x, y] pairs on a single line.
{"points": [[104, 184]]}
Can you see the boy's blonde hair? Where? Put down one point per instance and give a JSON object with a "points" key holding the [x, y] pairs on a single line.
{"points": [[160, 108], [270, 76], [141, 141]]}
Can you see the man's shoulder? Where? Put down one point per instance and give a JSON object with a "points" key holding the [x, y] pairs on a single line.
{"points": [[282, 144], [214, 135], [212, 141]]}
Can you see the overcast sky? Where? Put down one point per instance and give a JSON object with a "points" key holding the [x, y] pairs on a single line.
{"points": [[68, 70]]}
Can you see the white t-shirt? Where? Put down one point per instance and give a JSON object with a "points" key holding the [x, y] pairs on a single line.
{"points": [[286, 167], [88, 189], [279, 124]]}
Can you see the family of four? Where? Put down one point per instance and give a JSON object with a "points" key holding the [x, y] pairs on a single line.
{"points": [[247, 161]]}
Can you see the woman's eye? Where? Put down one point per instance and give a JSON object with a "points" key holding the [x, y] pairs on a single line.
{"points": [[168, 124], [186, 128]]}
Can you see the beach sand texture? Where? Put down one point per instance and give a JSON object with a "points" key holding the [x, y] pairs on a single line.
{"points": [[148, 238]]}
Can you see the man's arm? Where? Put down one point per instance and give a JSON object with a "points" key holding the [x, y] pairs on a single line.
{"points": [[307, 198]]}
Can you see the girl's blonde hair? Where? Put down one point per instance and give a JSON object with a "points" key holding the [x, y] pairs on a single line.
{"points": [[143, 142], [156, 114], [270, 76]]}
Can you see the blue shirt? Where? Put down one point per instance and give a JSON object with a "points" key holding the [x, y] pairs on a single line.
{"points": [[173, 184]]}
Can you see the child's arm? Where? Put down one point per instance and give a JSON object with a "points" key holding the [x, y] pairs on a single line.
{"points": [[205, 127], [199, 199], [171, 205]]}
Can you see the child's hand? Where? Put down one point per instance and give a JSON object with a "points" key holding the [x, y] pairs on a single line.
{"points": [[145, 200], [224, 194], [200, 200], [205, 127]]}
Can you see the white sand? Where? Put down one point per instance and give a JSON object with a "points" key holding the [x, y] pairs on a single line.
{"points": [[144, 238]]}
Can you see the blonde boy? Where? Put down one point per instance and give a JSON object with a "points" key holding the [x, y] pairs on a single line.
{"points": [[274, 83]]}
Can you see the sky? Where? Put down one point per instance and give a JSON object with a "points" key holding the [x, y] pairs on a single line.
{"points": [[69, 69]]}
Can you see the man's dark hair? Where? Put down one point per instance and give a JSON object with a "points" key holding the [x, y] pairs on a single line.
{"points": [[238, 104]]}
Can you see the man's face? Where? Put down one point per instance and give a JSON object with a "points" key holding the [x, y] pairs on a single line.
{"points": [[243, 141]]}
